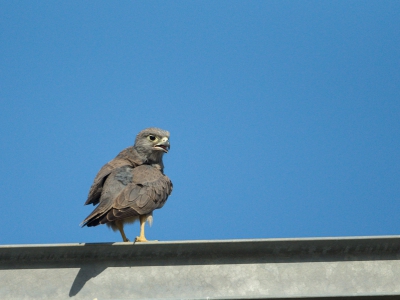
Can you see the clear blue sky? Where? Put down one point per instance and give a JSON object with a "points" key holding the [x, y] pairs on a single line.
{"points": [[284, 115]]}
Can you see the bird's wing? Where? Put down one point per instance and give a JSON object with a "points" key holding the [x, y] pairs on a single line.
{"points": [[124, 158], [148, 191], [114, 184]]}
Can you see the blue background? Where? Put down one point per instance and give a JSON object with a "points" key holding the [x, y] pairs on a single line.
{"points": [[284, 115]]}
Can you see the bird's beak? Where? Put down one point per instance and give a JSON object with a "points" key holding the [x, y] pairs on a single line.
{"points": [[163, 145]]}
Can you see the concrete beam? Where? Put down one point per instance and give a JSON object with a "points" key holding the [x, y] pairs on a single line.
{"points": [[307, 268]]}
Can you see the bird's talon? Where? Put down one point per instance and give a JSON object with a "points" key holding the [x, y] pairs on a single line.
{"points": [[140, 239]]}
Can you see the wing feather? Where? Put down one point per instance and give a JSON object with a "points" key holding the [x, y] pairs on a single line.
{"points": [[114, 184], [147, 190], [127, 157]]}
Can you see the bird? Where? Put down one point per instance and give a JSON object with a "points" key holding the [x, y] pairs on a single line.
{"points": [[132, 185]]}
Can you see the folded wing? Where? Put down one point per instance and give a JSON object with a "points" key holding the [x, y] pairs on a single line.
{"points": [[129, 192]]}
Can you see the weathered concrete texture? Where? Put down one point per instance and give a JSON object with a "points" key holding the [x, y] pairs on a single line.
{"points": [[239, 269]]}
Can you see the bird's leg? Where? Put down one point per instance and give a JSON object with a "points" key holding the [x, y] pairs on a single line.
{"points": [[120, 226], [141, 238]]}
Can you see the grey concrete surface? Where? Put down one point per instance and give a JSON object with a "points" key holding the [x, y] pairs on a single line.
{"points": [[307, 268]]}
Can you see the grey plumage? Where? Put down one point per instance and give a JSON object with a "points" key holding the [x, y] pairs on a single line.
{"points": [[132, 185]]}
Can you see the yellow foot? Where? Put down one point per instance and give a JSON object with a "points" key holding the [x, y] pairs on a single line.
{"points": [[140, 239]]}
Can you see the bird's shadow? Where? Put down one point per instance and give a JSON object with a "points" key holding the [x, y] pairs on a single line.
{"points": [[84, 275]]}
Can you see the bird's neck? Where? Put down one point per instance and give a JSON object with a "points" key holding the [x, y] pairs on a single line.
{"points": [[153, 158]]}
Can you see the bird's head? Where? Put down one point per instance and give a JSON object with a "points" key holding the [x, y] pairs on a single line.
{"points": [[152, 143]]}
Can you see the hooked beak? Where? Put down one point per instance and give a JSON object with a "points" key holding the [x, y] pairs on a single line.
{"points": [[164, 145]]}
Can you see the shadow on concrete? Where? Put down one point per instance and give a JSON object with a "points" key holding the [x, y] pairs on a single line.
{"points": [[84, 275]]}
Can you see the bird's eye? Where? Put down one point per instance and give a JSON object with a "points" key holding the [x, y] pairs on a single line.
{"points": [[152, 138]]}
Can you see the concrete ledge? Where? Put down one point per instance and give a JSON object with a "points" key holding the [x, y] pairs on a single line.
{"points": [[308, 268]]}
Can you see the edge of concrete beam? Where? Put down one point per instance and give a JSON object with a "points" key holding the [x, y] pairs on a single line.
{"points": [[206, 251], [352, 268]]}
